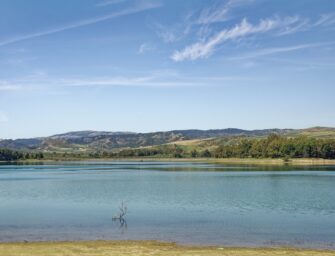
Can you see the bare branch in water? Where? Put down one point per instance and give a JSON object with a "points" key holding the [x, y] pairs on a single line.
{"points": [[121, 215]]}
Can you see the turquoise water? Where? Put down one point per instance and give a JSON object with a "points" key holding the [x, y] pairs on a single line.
{"points": [[189, 203]]}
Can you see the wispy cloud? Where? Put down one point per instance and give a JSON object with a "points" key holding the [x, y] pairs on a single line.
{"points": [[219, 12], [14, 61], [326, 19], [7, 86], [198, 20], [154, 79], [167, 35], [43, 82], [204, 49], [145, 48], [301, 65], [305, 24], [171, 34], [295, 24], [208, 41], [125, 81], [275, 50], [109, 2], [35, 80], [138, 8]]}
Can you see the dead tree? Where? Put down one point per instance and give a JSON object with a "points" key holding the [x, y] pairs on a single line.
{"points": [[122, 214]]}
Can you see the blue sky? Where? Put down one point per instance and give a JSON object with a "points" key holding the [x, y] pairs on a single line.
{"points": [[152, 65]]}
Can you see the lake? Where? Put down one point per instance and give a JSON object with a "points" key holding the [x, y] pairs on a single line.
{"points": [[189, 203]]}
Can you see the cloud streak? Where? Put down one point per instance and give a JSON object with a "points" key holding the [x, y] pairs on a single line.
{"points": [[82, 23], [156, 79], [110, 2], [208, 42], [243, 29], [326, 19], [6, 86], [270, 51], [219, 13], [124, 81], [145, 48], [198, 20], [305, 24]]}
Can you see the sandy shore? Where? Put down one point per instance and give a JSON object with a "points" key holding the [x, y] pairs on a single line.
{"points": [[138, 248]]}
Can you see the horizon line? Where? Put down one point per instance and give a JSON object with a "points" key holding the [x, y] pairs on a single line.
{"points": [[163, 131]]}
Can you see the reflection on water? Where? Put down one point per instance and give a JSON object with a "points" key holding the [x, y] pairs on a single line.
{"points": [[184, 202]]}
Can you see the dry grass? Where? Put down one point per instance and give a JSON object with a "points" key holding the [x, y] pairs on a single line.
{"points": [[138, 248], [262, 161], [237, 161], [193, 142]]}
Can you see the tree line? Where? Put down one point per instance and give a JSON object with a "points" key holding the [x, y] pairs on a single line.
{"points": [[11, 155], [275, 146], [173, 150]]}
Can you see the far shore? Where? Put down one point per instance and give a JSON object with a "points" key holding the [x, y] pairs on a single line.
{"points": [[232, 161], [132, 248]]}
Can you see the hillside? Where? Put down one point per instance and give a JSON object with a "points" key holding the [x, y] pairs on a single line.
{"points": [[82, 141]]}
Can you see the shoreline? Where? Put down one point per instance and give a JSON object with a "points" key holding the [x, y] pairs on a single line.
{"points": [[233, 161], [132, 248]]}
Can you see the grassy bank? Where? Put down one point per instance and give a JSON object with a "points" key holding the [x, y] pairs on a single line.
{"points": [[234, 161], [135, 248], [241, 161], [265, 161]]}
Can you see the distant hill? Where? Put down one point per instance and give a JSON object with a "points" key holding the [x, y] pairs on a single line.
{"points": [[102, 140]]}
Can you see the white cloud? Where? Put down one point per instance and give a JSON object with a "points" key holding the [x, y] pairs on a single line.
{"points": [[199, 21], [326, 19], [110, 2], [168, 36], [145, 48], [81, 23], [171, 34], [6, 86], [204, 49], [145, 81], [213, 14], [207, 41], [294, 24], [154, 79], [157, 79], [36, 80], [270, 51], [45, 82], [303, 65], [219, 12], [305, 24]]}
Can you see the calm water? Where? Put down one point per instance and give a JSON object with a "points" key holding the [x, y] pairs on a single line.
{"points": [[182, 202]]}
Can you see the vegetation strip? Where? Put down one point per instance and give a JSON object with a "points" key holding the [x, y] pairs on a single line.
{"points": [[132, 248], [273, 146]]}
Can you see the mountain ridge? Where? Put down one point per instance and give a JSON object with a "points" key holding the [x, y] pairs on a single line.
{"points": [[107, 140]]}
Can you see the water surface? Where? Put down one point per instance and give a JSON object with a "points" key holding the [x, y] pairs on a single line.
{"points": [[190, 203]]}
